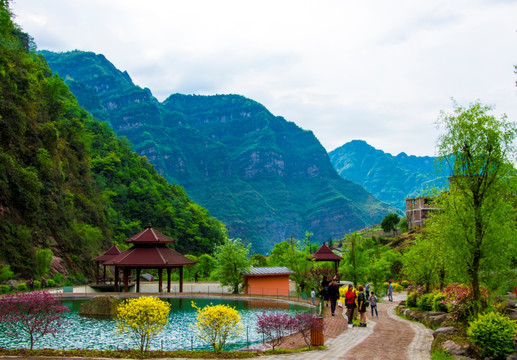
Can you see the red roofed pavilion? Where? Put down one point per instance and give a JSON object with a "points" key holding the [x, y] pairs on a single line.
{"points": [[108, 255], [149, 251], [325, 254]]}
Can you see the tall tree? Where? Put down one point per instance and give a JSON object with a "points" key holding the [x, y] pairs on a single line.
{"points": [[389, 222], [231, 259], [478, 218]]}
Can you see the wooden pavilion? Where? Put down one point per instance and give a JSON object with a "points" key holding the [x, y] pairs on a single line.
{"points": [[149, 251], [108, 255], [325, 254]]}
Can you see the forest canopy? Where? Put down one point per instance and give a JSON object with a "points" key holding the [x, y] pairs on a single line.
{"points": [[67, 182]]}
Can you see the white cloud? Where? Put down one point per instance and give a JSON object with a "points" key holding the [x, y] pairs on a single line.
{"points": [[379, 71]]}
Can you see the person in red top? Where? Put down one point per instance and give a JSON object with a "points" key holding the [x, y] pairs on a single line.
{"points": [[350, 303]]}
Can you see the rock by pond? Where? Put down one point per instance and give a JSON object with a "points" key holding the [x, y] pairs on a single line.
{"points": [[102, 305]]}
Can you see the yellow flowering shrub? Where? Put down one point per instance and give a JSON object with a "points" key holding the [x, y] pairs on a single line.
{"points": [[217, 324], [142, 319]]}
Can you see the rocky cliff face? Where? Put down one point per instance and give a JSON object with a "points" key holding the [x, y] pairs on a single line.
{"points": [[263, 176]]}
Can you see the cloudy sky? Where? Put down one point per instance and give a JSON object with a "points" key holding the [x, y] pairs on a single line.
{"points": [[375, 70]]}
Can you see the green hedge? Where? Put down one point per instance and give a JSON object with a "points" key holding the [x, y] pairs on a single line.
{"points": [[425, 302], [437, 302], [494, 334]]}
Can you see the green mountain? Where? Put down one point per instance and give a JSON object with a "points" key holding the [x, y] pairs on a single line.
{"points": [[263, 176], [67, 182], [390, 178]]}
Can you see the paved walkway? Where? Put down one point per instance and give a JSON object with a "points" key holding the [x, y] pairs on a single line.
{"points": [[387, 337]]}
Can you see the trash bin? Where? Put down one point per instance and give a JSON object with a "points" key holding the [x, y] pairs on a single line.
{"points": [[317, 337]]}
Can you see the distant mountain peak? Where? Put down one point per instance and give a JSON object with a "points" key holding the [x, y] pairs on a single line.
{"points": [[390, 178], [264, 177]]}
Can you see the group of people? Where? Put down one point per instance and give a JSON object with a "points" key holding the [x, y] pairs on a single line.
{"points": [[360, 299]]}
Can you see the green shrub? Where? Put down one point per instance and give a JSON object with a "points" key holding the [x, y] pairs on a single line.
{"points": [[37, 284], [22, 287], [494, 334], [5, 273], [425, 302], [4, 289], [76, 280], [397, 287], [441, 355], [411, 300], [438, 303], [50, 283], [58, 279], [404, 284]]}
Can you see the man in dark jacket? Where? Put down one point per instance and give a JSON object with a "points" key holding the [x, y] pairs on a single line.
{"points": [[333, 293]]}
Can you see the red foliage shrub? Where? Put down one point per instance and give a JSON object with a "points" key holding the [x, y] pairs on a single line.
{"points": [[459, 301]]}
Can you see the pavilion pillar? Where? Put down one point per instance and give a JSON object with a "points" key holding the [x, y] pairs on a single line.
{"points": [[168, 280], [116, 278], [98, 263], [160, 280], [126, 279], [104, 274], [181, 279], [138, 280]]}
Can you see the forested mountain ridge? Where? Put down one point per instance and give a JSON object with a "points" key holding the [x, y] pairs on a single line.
{"points": [[263, 176], [390, 178], [67, 182]]}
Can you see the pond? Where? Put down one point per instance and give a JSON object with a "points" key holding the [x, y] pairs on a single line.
{"points": [[97, 333]]}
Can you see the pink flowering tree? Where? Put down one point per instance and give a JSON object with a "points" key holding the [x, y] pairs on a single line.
{"points": [[31, 315], [275, 327], [306, 322]]}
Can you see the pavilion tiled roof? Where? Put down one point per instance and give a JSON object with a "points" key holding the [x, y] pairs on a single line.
{"points": [[109, 254], [157, 257], [149, 236], [325, 254], [260, 271]]}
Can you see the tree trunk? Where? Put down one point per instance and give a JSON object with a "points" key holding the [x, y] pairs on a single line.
{"points": [[476, 256]]}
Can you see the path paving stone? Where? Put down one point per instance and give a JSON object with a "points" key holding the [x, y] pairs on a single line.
{"points": [[387, 337]]}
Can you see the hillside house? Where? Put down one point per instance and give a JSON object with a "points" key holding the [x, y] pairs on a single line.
{"points": [[418, 210]]}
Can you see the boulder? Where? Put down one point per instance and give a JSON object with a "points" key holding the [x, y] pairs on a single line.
{"points": [[445, 330], [434, 319], [102, 305], [511, 313], [456, 349], [414, 314], [13, 284], [401, 309]]}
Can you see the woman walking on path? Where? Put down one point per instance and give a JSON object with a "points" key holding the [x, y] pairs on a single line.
{"points": [[361, 304], [373, 304]]}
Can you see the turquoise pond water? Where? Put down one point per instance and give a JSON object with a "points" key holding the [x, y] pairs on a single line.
{"points": [[94, 333]]}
